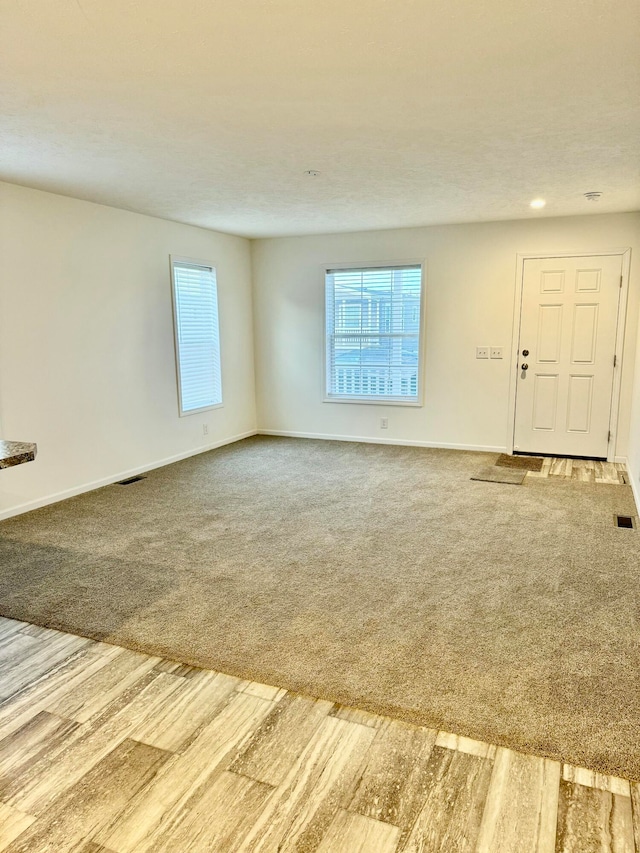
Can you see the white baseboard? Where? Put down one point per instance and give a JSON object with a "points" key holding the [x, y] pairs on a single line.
{"points": [[443, 445], [114, 478]]}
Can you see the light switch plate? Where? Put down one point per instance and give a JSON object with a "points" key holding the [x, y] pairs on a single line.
{"points": [[482, 352], [496, 352]]}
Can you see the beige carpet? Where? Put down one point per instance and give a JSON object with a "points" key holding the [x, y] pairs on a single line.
{"points": [[373, 575]]}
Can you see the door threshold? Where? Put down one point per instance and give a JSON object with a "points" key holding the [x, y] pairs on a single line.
{"points": [[559, 456]]}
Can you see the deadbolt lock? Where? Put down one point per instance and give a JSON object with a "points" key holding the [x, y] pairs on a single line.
{"points": [[525, 352]]}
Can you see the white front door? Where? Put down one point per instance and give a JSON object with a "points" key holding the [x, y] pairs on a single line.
{"points": [[566, 355]]}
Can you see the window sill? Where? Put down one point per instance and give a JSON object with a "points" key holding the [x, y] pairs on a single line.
{"points": [[375, 401], [203, 409]]}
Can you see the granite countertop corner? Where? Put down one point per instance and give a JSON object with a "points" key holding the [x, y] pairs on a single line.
{"points": [[16, 453]]}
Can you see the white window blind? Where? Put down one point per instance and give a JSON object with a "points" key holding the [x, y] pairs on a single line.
{"points": [[195, 301], [373, 328]]}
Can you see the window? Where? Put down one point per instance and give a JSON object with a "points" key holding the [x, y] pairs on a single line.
{"points": [[195, 314], [373, 333]]}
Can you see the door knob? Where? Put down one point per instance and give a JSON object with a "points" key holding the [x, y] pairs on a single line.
{"points": [[525, 366], [525, 352]]}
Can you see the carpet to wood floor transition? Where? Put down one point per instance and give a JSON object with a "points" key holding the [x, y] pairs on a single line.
{"points": [[375, 576]]}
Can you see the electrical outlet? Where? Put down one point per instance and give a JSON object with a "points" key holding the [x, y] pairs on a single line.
{"points": [[384, 423], [496, 352], [205, 429], [482, 352]]}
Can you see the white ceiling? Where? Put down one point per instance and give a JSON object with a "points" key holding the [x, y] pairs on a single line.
{"points": [[414, 111]]}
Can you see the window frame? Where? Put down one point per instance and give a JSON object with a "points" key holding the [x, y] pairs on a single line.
{"points": [[377, 400], [178, 260]]}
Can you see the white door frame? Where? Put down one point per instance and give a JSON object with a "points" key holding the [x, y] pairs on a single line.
{"points": [[625, 255]]}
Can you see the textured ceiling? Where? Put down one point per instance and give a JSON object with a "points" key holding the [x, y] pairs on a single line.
{"points": [[210, 111]]}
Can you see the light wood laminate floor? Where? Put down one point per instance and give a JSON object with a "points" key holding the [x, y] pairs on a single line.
{"points": [[105, 750], [585, 470]]}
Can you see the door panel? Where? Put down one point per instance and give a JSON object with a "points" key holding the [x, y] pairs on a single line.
{"points": [[588, 281], [583, 339], [545, 401], [579, 403], [568, 325], [549, 329], [552, 281]]}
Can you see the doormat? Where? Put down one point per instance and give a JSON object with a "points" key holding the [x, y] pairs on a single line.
{"points": [[529, 463], [493, 474]]}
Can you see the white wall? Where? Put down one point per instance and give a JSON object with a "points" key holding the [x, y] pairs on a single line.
{"points": [[86, 338], [470, 273], [633, 450], [87, 364]]}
